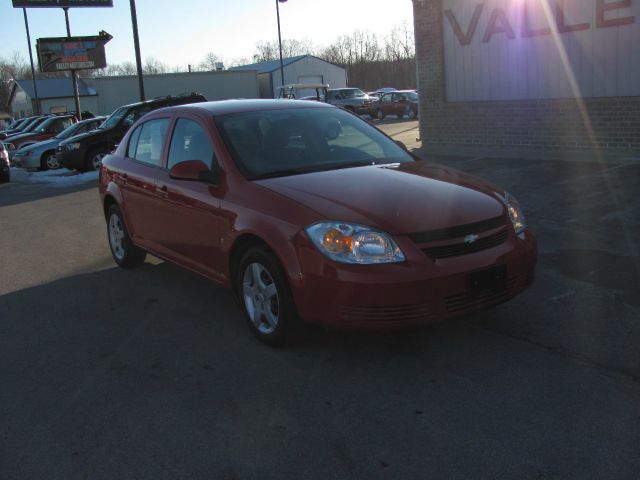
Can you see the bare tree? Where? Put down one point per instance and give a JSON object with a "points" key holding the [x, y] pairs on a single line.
{"points": [[209, 61], [15, 67], [153, 66], [267, 51]]}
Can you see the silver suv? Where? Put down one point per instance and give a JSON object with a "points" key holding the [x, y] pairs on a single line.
{"points": [[352, 99]]}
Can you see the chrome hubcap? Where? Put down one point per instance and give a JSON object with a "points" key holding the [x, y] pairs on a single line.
{"points": [[52, 162], [261, 298], [116, 236], [97, 160]]}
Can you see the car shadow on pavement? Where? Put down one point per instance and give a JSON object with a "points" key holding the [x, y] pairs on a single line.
{"points": [[14, 193], [153, 371]]}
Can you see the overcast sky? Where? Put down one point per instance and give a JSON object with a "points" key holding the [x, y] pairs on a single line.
{"points": [[182, 32]]}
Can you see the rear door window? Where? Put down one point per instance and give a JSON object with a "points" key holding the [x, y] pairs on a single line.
{"points": [[150, 142], [190, 142]]}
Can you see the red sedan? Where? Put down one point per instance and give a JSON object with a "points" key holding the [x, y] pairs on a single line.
{"points": [[309, 212]]}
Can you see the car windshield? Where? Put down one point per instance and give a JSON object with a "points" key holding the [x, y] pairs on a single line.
{"points": [[278, 143], [114, 118], [69, 131], [44, 125]]}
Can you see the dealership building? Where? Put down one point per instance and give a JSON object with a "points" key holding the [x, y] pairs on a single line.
{"points": [[563, 74]]}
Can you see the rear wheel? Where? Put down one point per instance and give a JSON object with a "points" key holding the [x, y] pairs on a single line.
{"points": [[413, 114], [5, 176], [265, 297], [124, 252]]}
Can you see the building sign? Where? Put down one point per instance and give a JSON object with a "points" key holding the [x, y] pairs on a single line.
{"points": [[61, 3], [536, 49], [71, 53]]}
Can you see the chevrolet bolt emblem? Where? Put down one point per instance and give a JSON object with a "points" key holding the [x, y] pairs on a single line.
{"points": [[471, 238]]}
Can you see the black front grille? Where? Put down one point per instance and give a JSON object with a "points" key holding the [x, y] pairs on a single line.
{"points": [[456, 249], [469, 299], [385, 313], [458, 231]]}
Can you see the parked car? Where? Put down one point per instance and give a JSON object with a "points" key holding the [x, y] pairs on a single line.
{"points": [[310, 212], [401, 103], [85, 152], [5, 170], [304, 91], [42, 155], [383, 90], [15, 126], [28, 124], [49, 128], [352, 99]]}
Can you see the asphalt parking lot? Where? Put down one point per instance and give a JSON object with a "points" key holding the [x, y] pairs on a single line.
{"points": [[152, 373]]}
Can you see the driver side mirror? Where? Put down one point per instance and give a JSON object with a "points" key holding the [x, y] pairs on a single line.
{"points": [[194, 170]]}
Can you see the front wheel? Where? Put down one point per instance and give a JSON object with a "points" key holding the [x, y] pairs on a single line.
{"points": [[413, 114], [380, 114], [124, 252], [49, 161], [94, 159], [265, 296]]}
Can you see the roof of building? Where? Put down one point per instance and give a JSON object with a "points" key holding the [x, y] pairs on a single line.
{"points": [[55, 88], [272, 65]]}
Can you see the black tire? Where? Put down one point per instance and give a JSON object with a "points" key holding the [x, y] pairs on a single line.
{"points": [[271, 317], [380, 114], [48, 161], [124, 252], [5, 177], [413, 114], [94, 158]]}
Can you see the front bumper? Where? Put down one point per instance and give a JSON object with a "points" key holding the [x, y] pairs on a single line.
{"points": [[416, 292], [24, 161], [72, 159], [5, 171]]}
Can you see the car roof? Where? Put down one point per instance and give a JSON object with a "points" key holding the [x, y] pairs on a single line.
{"points": [[170, 98], [222, 107]]}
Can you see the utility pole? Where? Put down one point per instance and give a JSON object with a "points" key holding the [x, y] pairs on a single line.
{"points": [[136, 44], [33, 70], [76, 94], [280, 40]]}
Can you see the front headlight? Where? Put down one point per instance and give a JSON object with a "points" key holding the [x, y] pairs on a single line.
{"points": [[515, 213], [73, 146], [350, 243]]}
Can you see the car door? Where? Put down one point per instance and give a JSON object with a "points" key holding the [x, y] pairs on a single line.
{"points": [[139, 183], [386, 104], [191, 208]]}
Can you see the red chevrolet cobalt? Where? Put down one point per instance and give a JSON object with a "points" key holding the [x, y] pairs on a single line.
{"points": [[308, 212]]}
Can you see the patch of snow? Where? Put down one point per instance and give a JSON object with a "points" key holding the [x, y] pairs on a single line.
{"points": [[59, 178]]}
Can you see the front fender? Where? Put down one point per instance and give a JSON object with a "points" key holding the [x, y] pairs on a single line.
{"points": [[282, 238]]}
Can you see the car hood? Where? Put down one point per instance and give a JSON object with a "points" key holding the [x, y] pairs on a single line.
{"points": [[81, 136], [41, 146], [20, 136], [397, 198]]}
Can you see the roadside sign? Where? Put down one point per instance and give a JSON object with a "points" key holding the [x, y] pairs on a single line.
{"points": [[72, 53], [61, 3]]}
